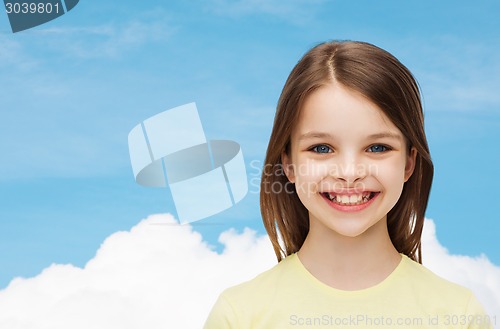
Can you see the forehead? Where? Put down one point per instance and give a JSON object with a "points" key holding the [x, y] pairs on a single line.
{"points": [[341, 111]]}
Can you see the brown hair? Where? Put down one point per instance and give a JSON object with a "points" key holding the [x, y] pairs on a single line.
{"points": [[382, 79]]}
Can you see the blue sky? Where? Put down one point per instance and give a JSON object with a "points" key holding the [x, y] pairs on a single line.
{"points": [[72, 89]]}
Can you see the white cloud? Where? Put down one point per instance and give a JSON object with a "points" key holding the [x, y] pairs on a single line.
{"points": [[163, 275], [476, 273], [158, 275]]}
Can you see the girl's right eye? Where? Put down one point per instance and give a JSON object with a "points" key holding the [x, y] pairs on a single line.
{"points": [[322, 148]]}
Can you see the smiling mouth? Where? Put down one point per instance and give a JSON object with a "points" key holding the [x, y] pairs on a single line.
{"points": [[349, 199]]}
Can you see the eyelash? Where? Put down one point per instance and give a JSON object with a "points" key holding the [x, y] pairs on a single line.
{"points": [[385, 147], [315, 148]]}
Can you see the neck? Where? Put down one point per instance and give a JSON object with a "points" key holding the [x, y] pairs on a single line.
{"points": [[349, 263]]}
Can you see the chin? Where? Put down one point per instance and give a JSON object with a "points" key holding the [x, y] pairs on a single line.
{"points": [[348, 227]]}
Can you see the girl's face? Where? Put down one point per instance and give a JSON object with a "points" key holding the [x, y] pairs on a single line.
{"points": [[348, 161]]}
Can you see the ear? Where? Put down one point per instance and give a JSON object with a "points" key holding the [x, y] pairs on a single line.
{"points": [[410, 163], [288, 167]]}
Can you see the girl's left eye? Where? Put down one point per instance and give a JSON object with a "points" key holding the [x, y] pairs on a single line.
{"points": [[378, 148], [321, 149]]}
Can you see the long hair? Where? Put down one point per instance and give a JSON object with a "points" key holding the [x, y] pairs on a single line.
{"points": [[386, 82]]}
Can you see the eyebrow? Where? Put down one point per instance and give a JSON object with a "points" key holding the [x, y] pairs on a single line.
{"points": [[319, 135], [385, 135], [314, 134]]}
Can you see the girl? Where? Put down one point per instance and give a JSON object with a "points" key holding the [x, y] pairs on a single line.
{"points": [[343, 196]]}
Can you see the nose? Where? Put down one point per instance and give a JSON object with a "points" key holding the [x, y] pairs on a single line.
{"points": [[348, 169]]}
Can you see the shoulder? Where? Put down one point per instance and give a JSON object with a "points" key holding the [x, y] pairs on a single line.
{"points": [[420, 278], [443, 298]]}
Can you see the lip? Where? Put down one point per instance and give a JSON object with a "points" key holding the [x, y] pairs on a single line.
{"points": [[351, 208]]}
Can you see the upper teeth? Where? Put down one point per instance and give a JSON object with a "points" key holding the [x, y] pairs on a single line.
{"points": [[349, 199]]}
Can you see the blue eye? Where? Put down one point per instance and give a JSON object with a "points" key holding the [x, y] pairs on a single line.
{"points": [[321, 149], [378, 148]]}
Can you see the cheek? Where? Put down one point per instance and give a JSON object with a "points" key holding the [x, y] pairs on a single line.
{"points": [[308, 178], [392, 175], [311, 170]]}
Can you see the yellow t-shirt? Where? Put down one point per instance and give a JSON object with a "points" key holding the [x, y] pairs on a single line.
{"points": [[288, 296]]}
